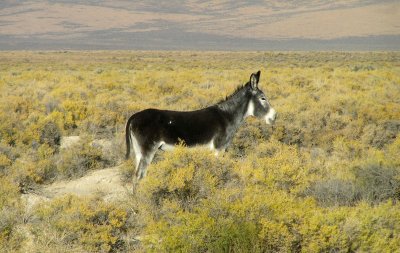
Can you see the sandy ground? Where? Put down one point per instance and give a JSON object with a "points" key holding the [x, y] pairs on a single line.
{"points": [[104, 183]]}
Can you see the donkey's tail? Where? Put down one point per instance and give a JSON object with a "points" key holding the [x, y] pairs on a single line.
{"points": [[128, 139]]}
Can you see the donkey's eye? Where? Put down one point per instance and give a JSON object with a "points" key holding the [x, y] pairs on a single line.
{"points": [[263, 99]]}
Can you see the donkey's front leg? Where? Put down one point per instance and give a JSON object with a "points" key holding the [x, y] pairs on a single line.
{"points": [[221, 145]]}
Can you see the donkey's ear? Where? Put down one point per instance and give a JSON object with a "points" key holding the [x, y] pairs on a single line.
{"points": [[254, 79]]}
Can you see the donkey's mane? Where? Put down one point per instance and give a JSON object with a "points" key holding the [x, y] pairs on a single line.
{"points": [[237, 90]]}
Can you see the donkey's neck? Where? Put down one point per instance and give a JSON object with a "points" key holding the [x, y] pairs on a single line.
{"points": [[235, 106]]}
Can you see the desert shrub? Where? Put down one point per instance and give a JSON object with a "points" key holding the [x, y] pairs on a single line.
{"points": [[113, 149], [50, 135], [107, 113], [235, 236], [392, 153], [186, 176], [362, 228], [362, 68], [34, 168], [347, 150], [231, 220], [377, 183], [28, 174], [300, 81], [127, 170], [8, 129], [5, 162], [11, 213], [8, 155], [321, 232], [94, 225], [333, 192], [373, 229], [74, 112], [289, 134], [251, 219], [192, 201], [276, 236], [248, 137], [80, 158], [278, 166], [11, 237], [51, 104], [380, 135]]}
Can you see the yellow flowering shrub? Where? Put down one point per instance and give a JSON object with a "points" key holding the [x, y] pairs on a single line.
{"points": [[324, 178], [95, 225]]}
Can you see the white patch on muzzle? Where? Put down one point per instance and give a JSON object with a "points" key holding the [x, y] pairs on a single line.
{"points": [[270, 117]]}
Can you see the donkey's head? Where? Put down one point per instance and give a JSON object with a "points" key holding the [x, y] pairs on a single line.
{"points": [[259, 105]]}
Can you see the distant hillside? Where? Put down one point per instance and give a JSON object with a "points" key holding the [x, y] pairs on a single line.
{"points": [[202, 25]]}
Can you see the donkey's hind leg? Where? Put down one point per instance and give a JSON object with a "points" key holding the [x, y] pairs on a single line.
{"points": [[144, 163], [141, 169]]}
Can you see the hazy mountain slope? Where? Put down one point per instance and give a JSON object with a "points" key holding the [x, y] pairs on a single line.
{"points": [[299, 25]]}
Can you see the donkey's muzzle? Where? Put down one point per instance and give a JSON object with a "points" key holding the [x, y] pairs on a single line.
{"points": [[271, 116], [274, 117]]}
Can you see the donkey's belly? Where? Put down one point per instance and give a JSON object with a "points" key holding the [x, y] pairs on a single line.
{"points": [[166, 147], [170, 146], [189, 135]]}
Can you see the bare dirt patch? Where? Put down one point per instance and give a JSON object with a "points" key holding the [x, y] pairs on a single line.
{"points": [[105, 183]]}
